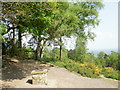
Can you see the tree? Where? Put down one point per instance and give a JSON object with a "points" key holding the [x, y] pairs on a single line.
{"points": [[80, 49], [88, 14], [34, 18], [101, 55], [42, 19], [50, 21], [113, 60], [13, 16], [10, 15]]}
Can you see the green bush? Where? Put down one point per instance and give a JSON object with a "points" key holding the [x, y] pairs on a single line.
{"points": [[31, 55], [24, 53], [87, 72], [113, 75], [109, 72]]}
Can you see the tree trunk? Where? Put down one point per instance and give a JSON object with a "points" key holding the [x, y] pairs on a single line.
{"points": [[42, 49], [14, 36], [38, 49], [3, 49], [19, 38], [60, 49], [13, 44]]}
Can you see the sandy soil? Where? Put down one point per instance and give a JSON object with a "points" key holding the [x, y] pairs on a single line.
{"points": [[18, 76]]}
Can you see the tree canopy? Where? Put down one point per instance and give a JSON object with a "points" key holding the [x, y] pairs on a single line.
{"points": [[47, 21]]}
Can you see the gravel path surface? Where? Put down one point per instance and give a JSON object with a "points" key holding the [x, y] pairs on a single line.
{"points": [[66, 79]]}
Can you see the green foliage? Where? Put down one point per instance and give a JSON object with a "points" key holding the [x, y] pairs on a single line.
{"points": [[47, 53], [22, 53], [89, 58], [54, 54], [111, 75], [88, 72], [110, 64], [101, 55], [64, 54], [80, 50], [55, 19], [109, 72], [30, 53], [101, 59], [110, 60], [113, 60], [3, 28]]}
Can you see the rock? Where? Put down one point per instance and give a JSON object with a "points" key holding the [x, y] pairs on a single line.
{"points": [[35, 72], [14, 60], [39, 76], [45, 65], [102, 76]]}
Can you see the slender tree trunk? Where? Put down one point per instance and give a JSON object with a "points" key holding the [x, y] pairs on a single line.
{"points": [[38, 49], [13, 43], [60, 50], [13, 36], [42, 49], [3, 48], [19, 38]]}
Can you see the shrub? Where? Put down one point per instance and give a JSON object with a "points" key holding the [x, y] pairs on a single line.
{"points": [[109, 72], [95, 68], [87, 72]]}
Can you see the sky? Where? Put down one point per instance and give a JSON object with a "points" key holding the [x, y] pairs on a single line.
{"points": [[107, 31]]}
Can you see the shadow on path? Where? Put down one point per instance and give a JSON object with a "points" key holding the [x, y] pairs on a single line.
{"points": [[21, 70], [12, 71]]}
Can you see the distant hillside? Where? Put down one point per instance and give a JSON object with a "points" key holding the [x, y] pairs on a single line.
{"points": [[107, 51]]}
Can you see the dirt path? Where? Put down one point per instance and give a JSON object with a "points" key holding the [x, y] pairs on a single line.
{"points": [[59, 78], [66, 79], [62, 78]]}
